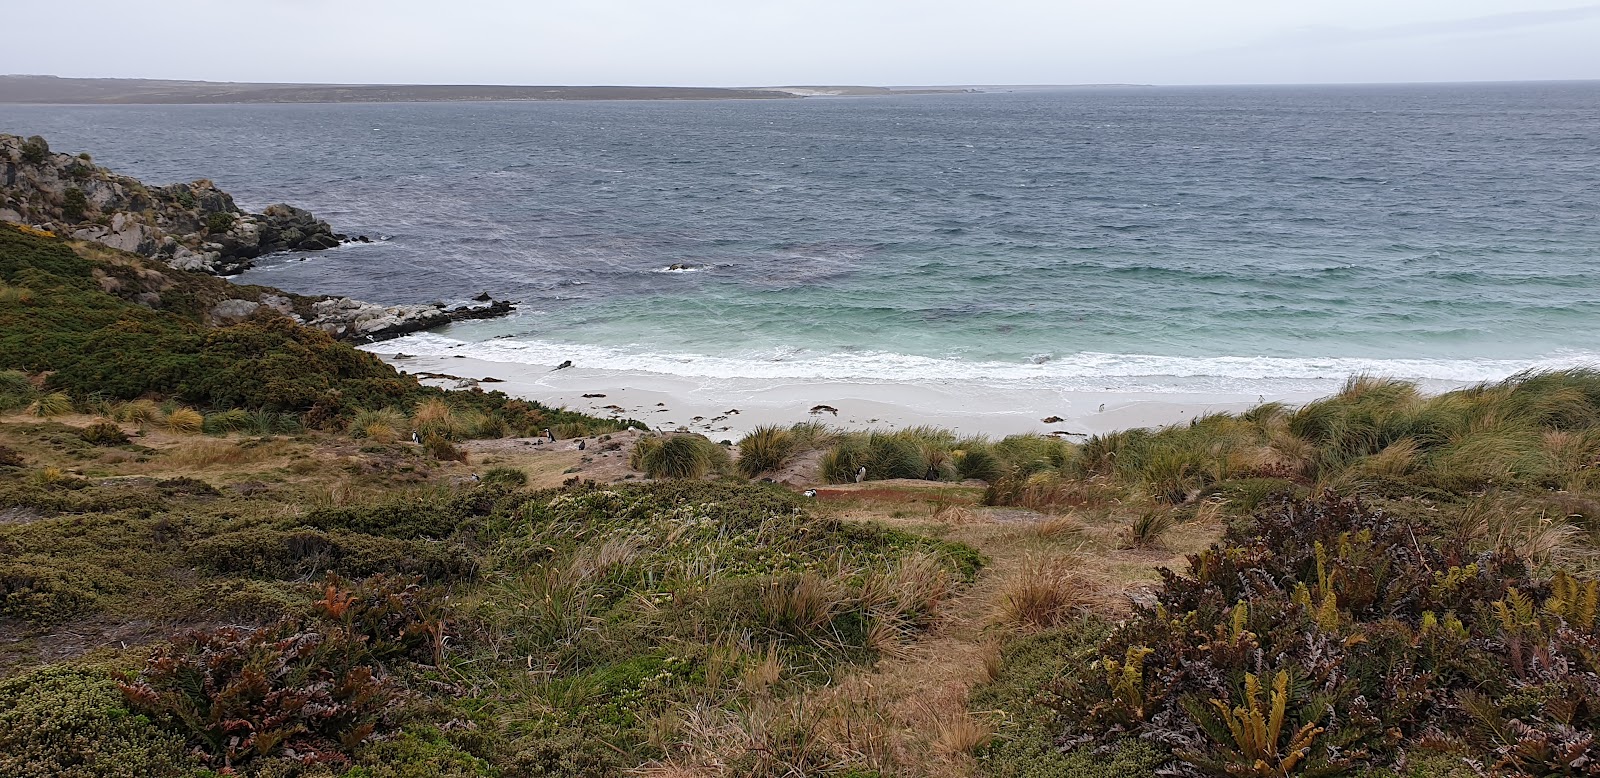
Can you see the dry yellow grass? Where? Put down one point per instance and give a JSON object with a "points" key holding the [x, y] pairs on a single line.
{"points": [[209, 453], [962, 733], [1043, 593], [185, 421]]}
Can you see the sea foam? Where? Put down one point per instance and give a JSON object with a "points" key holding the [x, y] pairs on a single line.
{"points": [[1083, 371]]}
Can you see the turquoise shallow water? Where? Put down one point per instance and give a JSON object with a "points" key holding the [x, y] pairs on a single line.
{"points": [[1197, 238]]}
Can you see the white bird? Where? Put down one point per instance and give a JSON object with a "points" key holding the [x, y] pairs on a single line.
{"points": [[810, 493], [861, 475]]}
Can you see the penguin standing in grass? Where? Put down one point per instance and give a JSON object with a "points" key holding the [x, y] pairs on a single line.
{"points": [[415, 438], [861, 475]]}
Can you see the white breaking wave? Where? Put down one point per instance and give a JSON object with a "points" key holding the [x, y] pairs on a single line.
{"points": [[1084, 371]]}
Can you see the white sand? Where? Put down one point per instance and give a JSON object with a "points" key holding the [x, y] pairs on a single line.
{"points": [[707, 406]]}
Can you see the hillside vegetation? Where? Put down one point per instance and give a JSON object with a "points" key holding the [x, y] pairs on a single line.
{"points": [[220, 553], [104, 327]]}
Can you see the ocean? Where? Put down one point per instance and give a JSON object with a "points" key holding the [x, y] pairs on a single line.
{"points": [[1245, 239]]}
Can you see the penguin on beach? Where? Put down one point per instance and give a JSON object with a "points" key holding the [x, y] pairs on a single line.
{"points": [[549, 434]]}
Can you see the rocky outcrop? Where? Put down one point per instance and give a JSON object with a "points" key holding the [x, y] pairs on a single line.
{"points": [[357, 321], [193, 226]]}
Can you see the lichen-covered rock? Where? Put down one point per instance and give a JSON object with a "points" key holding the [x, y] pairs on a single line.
{"points": [[193, 226]]}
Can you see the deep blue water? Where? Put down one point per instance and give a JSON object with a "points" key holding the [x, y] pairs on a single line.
{"points": [[1197, 237]]}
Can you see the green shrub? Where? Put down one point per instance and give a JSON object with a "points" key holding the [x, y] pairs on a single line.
{"points": [[38, 591], [1348, 636], [765, 449], [35, 150], [678, 456], [421, 752], [104, 433], [432, 518], [72, 722], [302, 553], [219, 222], [73, 205]]}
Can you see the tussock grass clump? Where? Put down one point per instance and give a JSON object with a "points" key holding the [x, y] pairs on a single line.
{"points": [[206, 453], [505, 476], [434, 418], [1043, 594], [384, 426], [976, 462], [812, 436], [16, 390], [678, 456], [442, 449], [140, 412], [1148, 528], [885, 455], [104, 433], [15, 295], [187, 421], [765, 449], [50, 406], [801, 604], [235, 420], [962, 734]]}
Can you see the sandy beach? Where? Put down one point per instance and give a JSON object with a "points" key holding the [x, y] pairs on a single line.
{"points": [[728, 408]]}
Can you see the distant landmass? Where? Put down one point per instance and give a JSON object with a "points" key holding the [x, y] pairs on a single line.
{"points": [[123, 91]]}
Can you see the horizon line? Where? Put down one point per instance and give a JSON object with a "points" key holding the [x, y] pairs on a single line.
{"points": [[825, 85]]}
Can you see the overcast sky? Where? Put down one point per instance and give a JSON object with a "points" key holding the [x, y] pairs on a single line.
{"points": [[775, 42]]}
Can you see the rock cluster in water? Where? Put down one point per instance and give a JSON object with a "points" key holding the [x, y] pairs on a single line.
{"points": [[354, 320], [193, 226]]}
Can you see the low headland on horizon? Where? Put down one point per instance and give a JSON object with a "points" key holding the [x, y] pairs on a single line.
{"points": [[46, 89]]}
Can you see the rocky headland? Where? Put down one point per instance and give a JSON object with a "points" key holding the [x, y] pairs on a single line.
{"points": [[197, 227], [193, 226]]}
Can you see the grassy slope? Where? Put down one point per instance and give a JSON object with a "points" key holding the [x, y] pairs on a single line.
{"points": [[83, 316]]}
